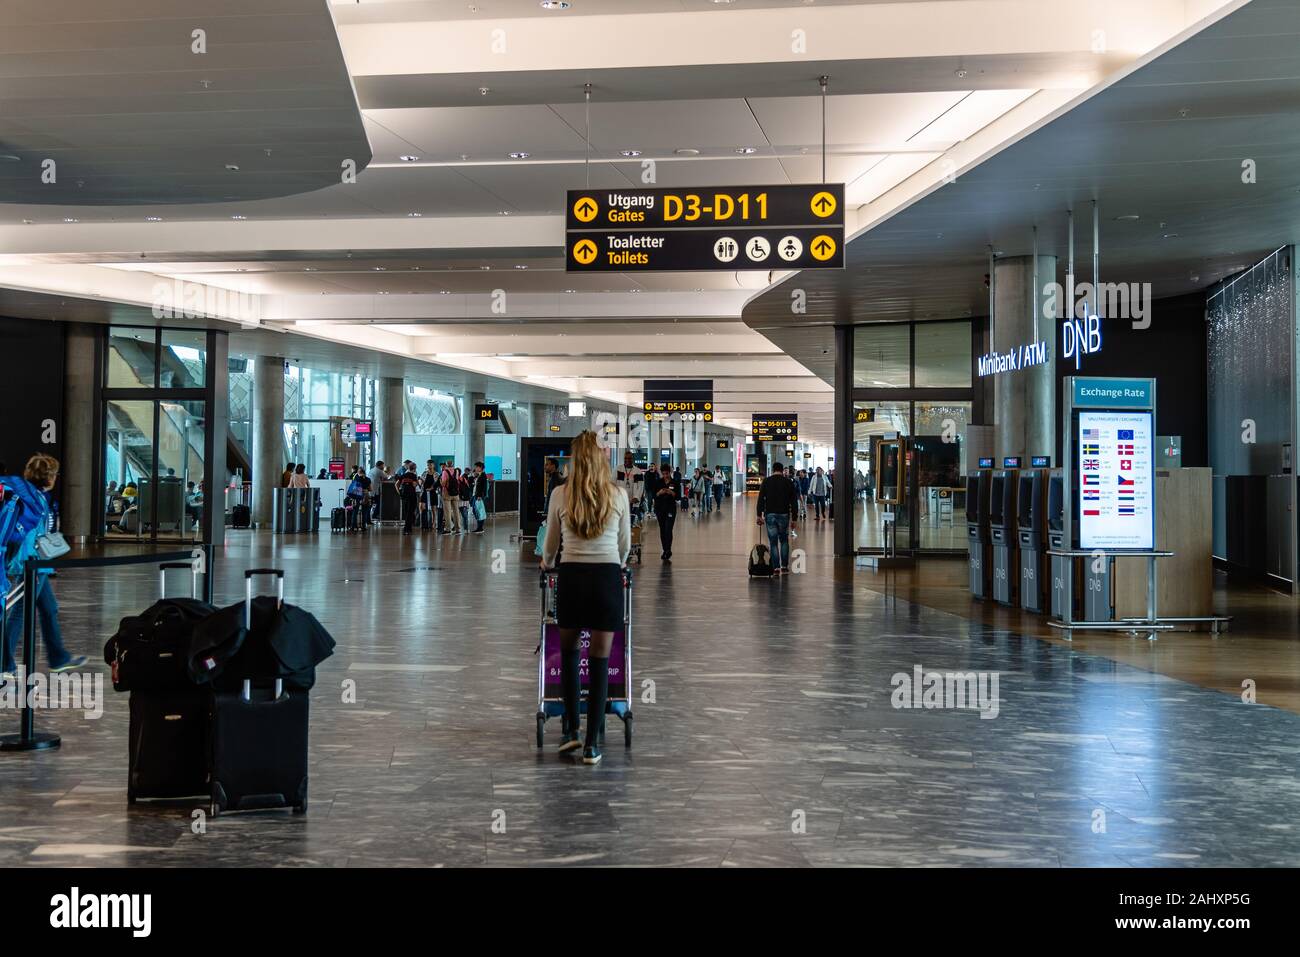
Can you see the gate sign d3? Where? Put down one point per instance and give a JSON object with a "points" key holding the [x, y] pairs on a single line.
{"points": [[718, 228]]}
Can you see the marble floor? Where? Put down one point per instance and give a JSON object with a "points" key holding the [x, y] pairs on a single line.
{"points": [[767, 734]]}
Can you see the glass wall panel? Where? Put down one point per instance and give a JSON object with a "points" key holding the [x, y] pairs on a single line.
{"points": [[130, 358], [880, 475], [128, 462], [939, 458], [882, 355], [181, 432], [943, 356], [184, 359]]}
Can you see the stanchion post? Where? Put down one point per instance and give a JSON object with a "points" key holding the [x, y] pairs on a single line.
{"points": [[27, 739]]}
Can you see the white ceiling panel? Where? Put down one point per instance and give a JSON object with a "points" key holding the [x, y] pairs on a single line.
{"points": [[855, 120], [660, 126], [444, 134], [540, 187], [972, 114], [752, 171], [885, 175]]}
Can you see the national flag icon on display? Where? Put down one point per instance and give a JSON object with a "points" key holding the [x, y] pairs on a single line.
{"points": [[1092, 480], [1091, 450], [1126, 510], [1125, 434], [1124, 481], [1092, 495], [1090, 465], [1092, 433], [1126, 465], [1125, 448], [1092, 511]]}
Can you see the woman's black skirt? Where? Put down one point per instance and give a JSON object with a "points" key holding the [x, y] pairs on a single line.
{"points": [[589, 596]]}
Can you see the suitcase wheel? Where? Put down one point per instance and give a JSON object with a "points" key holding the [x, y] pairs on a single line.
{"points": [[214, 809], [541, 729], [627, 730], [301, 806]]}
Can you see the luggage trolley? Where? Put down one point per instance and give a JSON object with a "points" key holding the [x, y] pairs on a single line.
{"points": [[550, 701]]}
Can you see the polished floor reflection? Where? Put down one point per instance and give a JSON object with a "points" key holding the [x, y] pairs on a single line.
{"points": [[767, 734]]}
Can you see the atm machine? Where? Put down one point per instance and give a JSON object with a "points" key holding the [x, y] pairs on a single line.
{"points": [[1003, 518], [1032, 497], [978, 541], [1056, 542]]}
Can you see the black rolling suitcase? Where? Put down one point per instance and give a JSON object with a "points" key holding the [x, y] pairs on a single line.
{"points": [[339, 516], [168, 733], [259, 736]]}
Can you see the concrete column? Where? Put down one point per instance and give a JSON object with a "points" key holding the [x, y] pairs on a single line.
{"points": [[77, 470], [1024, 400], [392, 404], [540, 415], [475, 429], [268, 435]]}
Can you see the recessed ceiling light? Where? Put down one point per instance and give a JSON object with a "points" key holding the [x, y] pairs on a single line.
{"points": [[241, 270], [379, 268], [69, 219], [444, 292], [746, 150], [238, 216], [153, 219], [629, 152], [28, 222], [504, 212], [484, 90], [409, 158], [308, 268], [232, 167], [383, 292], [686, 151], [520, 155], [1170, 236], [570, 290], [415, 215], [555, 4], [521, 267], [1127, 218]]}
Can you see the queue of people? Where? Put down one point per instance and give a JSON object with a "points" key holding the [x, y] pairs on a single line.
{"points": [[441, 497]]}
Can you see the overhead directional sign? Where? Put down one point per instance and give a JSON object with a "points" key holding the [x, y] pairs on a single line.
{"points": [[487, 411], [691, 399], [774, 427], [726, 228]]}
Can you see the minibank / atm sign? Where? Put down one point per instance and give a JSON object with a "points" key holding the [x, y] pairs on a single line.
{"points": [[723, 228]]}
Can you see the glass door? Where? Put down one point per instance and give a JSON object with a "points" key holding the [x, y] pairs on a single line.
{"points": [[881, 473]]}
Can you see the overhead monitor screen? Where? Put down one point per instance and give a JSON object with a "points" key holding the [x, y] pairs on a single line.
{"points": [[1116, 480]]}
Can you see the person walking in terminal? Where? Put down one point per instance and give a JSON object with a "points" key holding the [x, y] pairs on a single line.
{"points": [[718, 484], [819, 489], [25, 502], [378, 475], [476, 489], [801, 482], [777, 501], [408, 491], [449, 484], [589, 517], [664, 492]]}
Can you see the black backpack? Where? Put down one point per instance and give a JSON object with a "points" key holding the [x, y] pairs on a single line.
{"points": [[760, 562], [150, 651]]}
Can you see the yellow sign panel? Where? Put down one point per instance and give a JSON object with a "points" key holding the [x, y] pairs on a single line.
{"points": [[823, 204], [585, 251], [585, 209], [822, 248]]}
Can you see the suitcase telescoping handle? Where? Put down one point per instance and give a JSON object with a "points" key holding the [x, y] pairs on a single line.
{"points": [[169, 566], [248, 614]]}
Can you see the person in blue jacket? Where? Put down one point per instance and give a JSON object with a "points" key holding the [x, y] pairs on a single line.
{"points": [[27, 497]]}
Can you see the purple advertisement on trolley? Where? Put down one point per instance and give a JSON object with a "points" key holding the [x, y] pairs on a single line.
{"points": [[551, 653]]}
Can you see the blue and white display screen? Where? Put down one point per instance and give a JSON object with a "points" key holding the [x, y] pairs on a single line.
{"points": [[1116, 488]]}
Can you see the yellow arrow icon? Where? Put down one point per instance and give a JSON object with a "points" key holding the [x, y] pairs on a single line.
{"points": [[823, 248], [585, 208], [823, 204], [584, 252]]}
